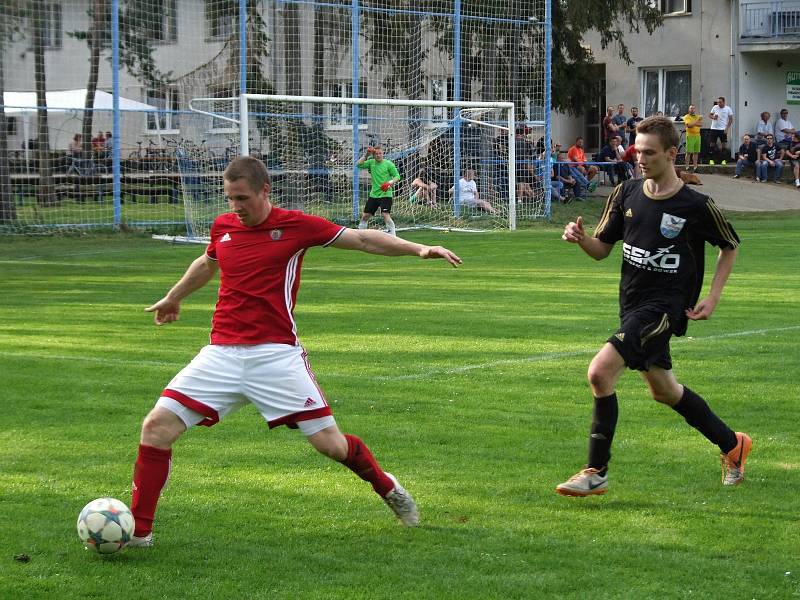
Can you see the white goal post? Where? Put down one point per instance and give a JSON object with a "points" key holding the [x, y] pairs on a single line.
{"points": [[311, 146]]}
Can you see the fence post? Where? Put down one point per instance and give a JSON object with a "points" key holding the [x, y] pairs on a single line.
{"points": [[117, 136]]}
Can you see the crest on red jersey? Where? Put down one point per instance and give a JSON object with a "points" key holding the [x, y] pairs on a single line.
{"points": [[275, 234]]}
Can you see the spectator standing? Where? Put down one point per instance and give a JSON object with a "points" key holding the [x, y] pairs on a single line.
{"points": [[621, 121], [99, 143], [693, 122], [74, 147], [784, 130], [630, 125], [747, 155], [769, 155], [610, 130], [721, 121]]}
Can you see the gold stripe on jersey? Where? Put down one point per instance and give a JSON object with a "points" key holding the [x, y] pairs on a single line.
{"points": [[660, 328], [723, 226], [606, 211]]}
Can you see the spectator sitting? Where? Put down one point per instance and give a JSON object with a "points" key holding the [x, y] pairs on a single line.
{"points": [[747, 155], [468, 193], [423, 190], [565, 176], [769, 155], [75, 148], [784, 130], [794, 154], [630, 157], [99, 143], [579, 169], [763, 127], [620, 120], [616, 169]]}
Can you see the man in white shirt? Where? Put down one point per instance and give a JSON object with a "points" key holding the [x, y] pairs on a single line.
{"points": [[721, 121], [468, 193], [784, 130]]}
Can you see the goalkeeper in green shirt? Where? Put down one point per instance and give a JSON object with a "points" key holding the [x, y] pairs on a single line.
{"points": [[384, 177]]}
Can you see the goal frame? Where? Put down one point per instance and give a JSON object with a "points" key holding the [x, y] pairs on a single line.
{"points": [[243, 123]]}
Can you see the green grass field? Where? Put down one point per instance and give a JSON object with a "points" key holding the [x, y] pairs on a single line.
{"points": [[468, 384]]}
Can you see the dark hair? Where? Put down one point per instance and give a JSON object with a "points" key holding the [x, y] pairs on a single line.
{"points": [[250, 169], [663, 128], [721, 98]]}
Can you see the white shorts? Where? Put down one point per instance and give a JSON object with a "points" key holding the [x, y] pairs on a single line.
{"points": [[276, 378]]}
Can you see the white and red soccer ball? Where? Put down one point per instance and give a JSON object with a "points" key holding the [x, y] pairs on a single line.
{"points": [[105, 525]]}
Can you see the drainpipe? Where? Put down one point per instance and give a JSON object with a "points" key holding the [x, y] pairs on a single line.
{"points": [[734, 57]]}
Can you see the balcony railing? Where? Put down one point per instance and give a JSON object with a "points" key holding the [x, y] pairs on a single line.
{"points": [[777, 20]]}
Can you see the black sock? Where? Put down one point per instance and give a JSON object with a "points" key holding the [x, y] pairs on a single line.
{"points": [[604, 422], [698, 414]]}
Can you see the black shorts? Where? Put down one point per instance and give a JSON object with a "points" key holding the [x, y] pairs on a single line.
{"points": [[643, 338], [717, 134], [373, 204]]}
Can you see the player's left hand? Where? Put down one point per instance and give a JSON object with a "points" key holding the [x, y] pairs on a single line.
{"points": [[702, 311], [440, 252], [385, 186]]}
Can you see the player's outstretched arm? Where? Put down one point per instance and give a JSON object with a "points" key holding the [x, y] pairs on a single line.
{"points": [[574, 233], [377, 242], [706, 306], [196, 276]]}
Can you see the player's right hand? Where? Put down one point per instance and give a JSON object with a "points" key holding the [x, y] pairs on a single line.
{"points": [[574, 231], [166, 311]]}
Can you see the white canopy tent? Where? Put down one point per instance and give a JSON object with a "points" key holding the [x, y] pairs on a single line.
{"points": [[24, 104]]}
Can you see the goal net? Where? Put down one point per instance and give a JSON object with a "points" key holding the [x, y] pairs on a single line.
{"points": [[312, 150]]}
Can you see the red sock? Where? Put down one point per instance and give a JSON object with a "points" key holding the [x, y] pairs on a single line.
{"points": [[361, 462], [149, 477]]}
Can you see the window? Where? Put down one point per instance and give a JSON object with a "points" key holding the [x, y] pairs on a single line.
{"points": [[220, 25], [672, 7], [51, 35], [668, 90], [168, 118], [439, 90], [165, 26], [341, 115]]}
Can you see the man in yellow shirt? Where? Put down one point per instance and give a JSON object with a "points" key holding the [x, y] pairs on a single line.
{"points": [[692, 121]]}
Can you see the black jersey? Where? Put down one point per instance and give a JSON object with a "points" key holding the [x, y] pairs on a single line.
{"points": [[662, 246]]}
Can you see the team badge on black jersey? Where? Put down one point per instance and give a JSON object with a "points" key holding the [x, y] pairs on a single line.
{"points": [[671, 225]]}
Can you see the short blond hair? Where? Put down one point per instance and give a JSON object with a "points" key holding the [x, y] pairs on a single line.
{"points": [[250, 169]]}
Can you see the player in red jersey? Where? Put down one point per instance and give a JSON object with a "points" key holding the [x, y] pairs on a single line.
{"points": [[255, 355]]}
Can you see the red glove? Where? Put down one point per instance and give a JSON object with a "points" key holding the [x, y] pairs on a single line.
{"points": [[385, 186], [370, 150]]}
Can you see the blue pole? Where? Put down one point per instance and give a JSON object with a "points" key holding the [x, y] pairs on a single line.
{"points": [[457, 119], [355, 29], [115, 148], [244, 133], [548, 50]]}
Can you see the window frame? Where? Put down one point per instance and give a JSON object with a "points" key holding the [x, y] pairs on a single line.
{"points": [[441, 119], [171, 119], [53, 26], [212, 23], [338, 117], [661, 101]]}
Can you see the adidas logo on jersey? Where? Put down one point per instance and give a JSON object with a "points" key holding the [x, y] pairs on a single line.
{"points": [[309, 402], [629, 213], [620, 336], [225, 238]]}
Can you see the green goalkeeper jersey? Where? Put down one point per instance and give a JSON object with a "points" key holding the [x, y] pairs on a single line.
{"points": [[381, 172]]}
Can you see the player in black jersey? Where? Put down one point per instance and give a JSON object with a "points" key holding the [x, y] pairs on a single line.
{"points": [[663, 226]]}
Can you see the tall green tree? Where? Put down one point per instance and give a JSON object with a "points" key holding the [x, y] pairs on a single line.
{"points": [[138, 32]]}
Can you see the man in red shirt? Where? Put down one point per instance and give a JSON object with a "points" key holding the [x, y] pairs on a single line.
{"points": [[255, 355], [582, 172]]}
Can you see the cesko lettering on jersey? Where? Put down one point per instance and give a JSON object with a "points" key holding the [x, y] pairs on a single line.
{"points": [[661, 260]]}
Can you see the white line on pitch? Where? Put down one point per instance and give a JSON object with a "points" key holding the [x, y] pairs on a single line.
{"points": [[544, 357]]}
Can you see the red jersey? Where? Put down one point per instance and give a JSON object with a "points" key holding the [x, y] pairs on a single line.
{"points": [[260, 274]]}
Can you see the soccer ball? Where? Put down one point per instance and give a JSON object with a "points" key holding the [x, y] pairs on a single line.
{"points": [[105, 525]]}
